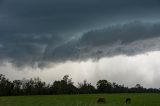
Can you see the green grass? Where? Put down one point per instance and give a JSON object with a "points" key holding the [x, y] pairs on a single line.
{"points": [[81, 100]]}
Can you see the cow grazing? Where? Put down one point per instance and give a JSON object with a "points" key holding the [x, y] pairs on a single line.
{"points": [[101, 100], [128, 100]]}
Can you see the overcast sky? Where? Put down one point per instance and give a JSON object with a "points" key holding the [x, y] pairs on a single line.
{"points": [[116, 40]]}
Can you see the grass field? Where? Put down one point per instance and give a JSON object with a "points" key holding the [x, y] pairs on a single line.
{"points": [[81, 100]]}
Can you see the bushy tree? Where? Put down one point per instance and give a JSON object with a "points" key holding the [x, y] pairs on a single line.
{"points": [[65, 86], [17, 87], [6, 87], [103, 86], [86, 88]]}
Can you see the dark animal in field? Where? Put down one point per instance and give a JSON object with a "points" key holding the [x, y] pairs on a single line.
{"points": [[101, 100], [128, 100]]}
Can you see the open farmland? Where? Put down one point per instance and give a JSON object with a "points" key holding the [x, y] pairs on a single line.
{"points": [[82, 100]]}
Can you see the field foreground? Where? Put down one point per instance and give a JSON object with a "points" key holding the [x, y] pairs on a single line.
{"points": [[82, 100]]}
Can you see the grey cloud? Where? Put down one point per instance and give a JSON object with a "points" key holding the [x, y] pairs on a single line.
{"points": [[124, 33], [128, 39], [48, 16], [38, 31], [26, 49]]}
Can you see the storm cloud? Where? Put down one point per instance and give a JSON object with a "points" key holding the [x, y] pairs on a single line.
{"points": [[128, 39], [39, 32]]}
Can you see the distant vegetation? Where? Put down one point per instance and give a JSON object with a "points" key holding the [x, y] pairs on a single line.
{"points": [[65, 86]]}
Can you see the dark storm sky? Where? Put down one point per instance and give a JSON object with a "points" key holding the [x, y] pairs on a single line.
{"points": [[42, 31]]}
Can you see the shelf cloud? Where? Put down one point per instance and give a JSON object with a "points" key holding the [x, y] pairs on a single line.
{"points": [[128, 39], [40, 32]]}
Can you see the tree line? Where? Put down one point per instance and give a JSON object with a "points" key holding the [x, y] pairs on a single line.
{"points": [[35, 86]]}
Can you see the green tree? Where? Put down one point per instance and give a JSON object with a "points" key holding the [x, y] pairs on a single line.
{"points": [[6, 87], [103, 86], [86, 88], [65, 86], [17, 85]]}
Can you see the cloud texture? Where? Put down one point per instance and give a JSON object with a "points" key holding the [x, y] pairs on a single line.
{"points": [[39, 32]]}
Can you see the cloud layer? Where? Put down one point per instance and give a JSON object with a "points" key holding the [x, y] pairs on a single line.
{"points": [[128, 39], [39, 32]]}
